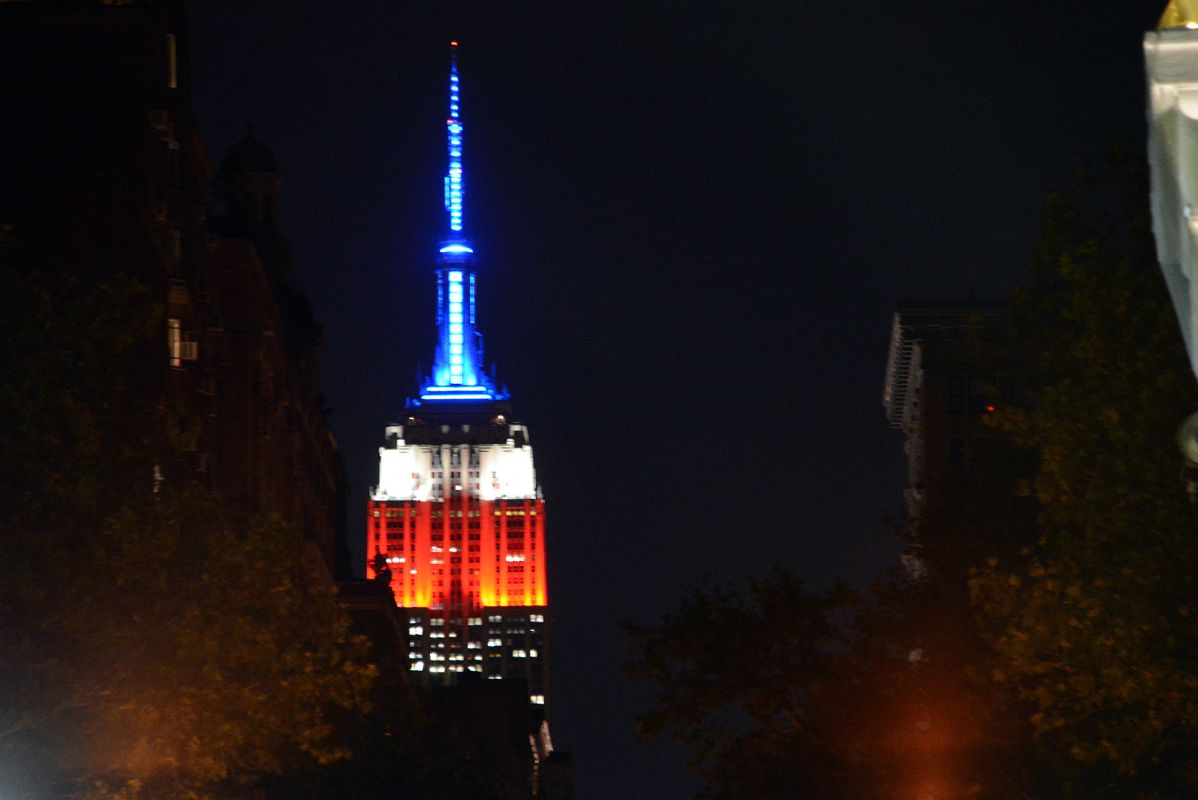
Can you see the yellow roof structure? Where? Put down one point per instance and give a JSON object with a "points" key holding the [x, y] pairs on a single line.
{"points": [[1179, 14]]}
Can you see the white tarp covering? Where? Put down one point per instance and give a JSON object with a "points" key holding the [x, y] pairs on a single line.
{"points": [[1171, 59]]}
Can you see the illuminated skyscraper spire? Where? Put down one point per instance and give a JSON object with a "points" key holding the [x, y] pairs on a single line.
{"points": [[458, 367], [456, 524], [453, 178]]}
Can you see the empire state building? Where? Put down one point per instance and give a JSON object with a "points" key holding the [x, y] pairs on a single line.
{"points": [[457, 521]]}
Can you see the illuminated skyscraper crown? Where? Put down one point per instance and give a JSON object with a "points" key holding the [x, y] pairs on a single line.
{"points": [[458, 367]]}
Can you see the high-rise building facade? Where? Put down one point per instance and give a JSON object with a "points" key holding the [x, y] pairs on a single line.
{"points": [[456, 524], [940, 381]]}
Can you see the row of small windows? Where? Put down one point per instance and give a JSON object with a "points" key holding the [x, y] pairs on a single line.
{"points": [[398, 518], [419, 667], [455, 458], [438, 622]]}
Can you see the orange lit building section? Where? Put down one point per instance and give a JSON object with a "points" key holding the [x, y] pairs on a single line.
{"points": [[460, 554]]}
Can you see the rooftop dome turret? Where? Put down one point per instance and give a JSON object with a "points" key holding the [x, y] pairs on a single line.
{"points": [[249, 155]]}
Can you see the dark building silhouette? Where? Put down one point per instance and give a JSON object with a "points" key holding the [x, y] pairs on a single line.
{"points": [[103, 171], [941, 378]]}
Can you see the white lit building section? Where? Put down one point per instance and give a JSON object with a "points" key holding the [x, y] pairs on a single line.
{"points": [[1171, 63], [486, 471]]}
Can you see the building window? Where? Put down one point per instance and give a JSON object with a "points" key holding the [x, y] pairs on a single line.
{"points": [[956, 452], [174, 338], [182, 346], [172, 61]]}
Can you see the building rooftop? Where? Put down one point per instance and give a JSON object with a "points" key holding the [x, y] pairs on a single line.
{"points": [[249, 155], [918, 321]]}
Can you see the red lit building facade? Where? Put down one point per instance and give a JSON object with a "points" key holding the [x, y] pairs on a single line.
{"points": [[456, 524]]}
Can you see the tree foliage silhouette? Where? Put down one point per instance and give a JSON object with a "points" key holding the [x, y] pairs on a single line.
{"points": [[151, 644]]}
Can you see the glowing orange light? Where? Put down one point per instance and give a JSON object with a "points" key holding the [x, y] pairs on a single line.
{"points": [[453, 43], [460, 551]]}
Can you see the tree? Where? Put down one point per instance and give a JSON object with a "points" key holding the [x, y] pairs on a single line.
{"points": [[779, 693], [1095, 620], [151, 643], [741, 677], [1073, 675]]}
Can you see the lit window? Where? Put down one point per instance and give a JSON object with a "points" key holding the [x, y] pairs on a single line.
{"points": [[416, 630], [537, 699], [172, 61], [174, 330]]}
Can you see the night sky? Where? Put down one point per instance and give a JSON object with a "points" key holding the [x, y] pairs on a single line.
{"points": [[694, 222]]}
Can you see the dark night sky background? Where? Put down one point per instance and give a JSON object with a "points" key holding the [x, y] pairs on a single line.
{"points": [[694, 223]]}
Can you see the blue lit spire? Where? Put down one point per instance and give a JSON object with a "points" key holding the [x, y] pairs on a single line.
{"points": [[455, 243], [458, 367]]}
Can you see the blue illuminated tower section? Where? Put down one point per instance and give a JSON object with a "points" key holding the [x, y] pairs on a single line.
{"points": [[456, 523], [458, 372]]}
